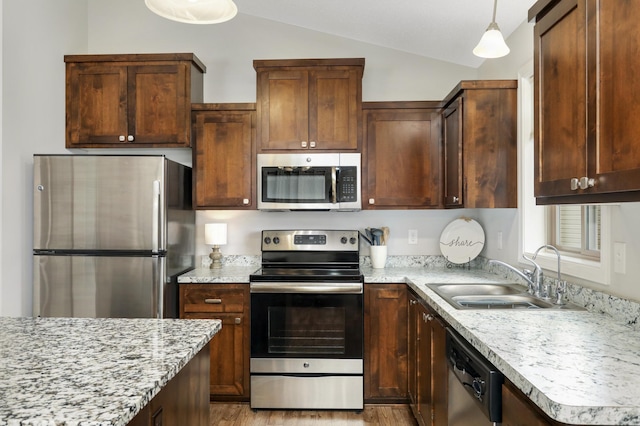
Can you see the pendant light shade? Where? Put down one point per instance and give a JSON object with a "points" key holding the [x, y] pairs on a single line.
{"points": [[194, 11], [492, 43]]}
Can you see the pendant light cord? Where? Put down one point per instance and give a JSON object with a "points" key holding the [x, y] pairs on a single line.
{"points": [[495, 6]]}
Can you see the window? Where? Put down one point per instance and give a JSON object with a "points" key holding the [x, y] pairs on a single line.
{"points": [[575, 229], [581, 233]]}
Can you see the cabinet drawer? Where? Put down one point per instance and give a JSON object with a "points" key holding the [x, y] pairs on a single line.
{"points": [[212, 299]]}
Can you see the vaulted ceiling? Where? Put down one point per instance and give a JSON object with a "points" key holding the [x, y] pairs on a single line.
{"points": [[441, 29]]}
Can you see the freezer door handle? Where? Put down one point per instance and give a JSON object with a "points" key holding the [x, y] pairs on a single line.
{"points": [[155, 220], [159, 280]]}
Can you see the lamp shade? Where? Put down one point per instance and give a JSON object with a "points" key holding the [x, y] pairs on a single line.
{"points": [[215, 234], [194, 11], [492, 44]]}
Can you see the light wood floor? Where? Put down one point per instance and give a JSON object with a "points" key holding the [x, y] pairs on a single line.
{"points": [[240, 414]]}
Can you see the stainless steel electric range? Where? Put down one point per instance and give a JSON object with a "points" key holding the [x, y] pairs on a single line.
{"points": [[307, 321]]}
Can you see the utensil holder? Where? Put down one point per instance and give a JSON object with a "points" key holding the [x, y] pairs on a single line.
{"points": [[378, 256]]}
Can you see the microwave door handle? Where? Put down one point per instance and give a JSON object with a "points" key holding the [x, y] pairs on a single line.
{"points": [[334, 195]]}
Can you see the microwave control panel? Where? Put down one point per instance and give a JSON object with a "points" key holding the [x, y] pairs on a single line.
{"points": [[347, 184]]}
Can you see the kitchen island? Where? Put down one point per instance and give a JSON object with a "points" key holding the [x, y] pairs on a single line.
{"points": [[84, 371]]}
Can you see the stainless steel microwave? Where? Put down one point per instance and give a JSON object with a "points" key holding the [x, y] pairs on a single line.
{"points": [[309, 181]]}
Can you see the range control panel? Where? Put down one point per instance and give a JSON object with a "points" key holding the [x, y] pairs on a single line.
{"points": [[310, 240]]}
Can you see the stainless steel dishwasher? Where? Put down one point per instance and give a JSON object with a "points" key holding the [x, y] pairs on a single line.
{"points": [[475, 386]]}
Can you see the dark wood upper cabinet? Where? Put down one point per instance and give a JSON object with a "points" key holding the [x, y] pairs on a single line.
{"points": [[224, 166], [479, 123], [586, 89], [309, 104], [402, 164], [131, 100]]}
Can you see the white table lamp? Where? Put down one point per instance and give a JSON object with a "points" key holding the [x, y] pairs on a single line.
{"points": [[215, 234]]}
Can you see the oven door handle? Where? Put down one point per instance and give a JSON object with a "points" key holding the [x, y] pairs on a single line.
{"points": [[301, 287]]}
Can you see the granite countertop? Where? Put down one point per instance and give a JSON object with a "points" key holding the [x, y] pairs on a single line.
{"points": [[83, 371], [579, 367], [227, 274]]}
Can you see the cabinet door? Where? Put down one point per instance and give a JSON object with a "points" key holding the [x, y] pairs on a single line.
{"points": [[490, 147], [439, 379], [223, 158], [283, 109], [424, 367], [614, 152], [412, 350], [518, 410], [560, 81], [403, 166], [159, 107], [385, 349], [96, 104], [452, 138], [228, 361], [334, 109]]}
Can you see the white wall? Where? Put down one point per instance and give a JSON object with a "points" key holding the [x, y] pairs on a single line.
{"points": [[33, 122], [1, 79], [228, 51]]}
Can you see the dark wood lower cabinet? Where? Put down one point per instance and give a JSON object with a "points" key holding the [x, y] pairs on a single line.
{"points": [[517, 410], [427, 364], [385, 346], [229, 303], [184, 400]]}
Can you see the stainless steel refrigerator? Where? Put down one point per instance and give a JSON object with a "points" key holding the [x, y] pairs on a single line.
{"points": [[111, 234]]}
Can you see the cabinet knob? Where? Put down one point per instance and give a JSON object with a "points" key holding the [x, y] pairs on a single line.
{"points": [[121, 138], [372, 201], [237, 320], [582, 183], [455, 199], [586, 182], [412, 302], [312, 144], [303, 144], [130, 138], [213, 301], [574, 184], [245, 201]]}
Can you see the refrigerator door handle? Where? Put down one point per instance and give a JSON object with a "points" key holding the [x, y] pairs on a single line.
{"points": [[159, 281], [156, 220]]}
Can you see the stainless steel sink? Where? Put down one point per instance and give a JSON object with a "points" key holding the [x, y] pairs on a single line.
{"points": [[493, 296], [477, 289], [512, 301]]}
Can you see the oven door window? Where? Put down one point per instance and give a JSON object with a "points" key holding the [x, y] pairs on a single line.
{"points": [[316, 325], [296, 184]]}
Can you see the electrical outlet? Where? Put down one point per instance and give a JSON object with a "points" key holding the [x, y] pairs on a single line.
{"points": [[619, 258], [499, 240], [413, 236]]}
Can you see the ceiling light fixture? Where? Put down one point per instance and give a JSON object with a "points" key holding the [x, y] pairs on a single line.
{"points": [[492, 43], [194, 11]]}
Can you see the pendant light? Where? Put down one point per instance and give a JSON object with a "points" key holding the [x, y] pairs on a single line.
{"points": [[492, 43], [194, 11]]}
